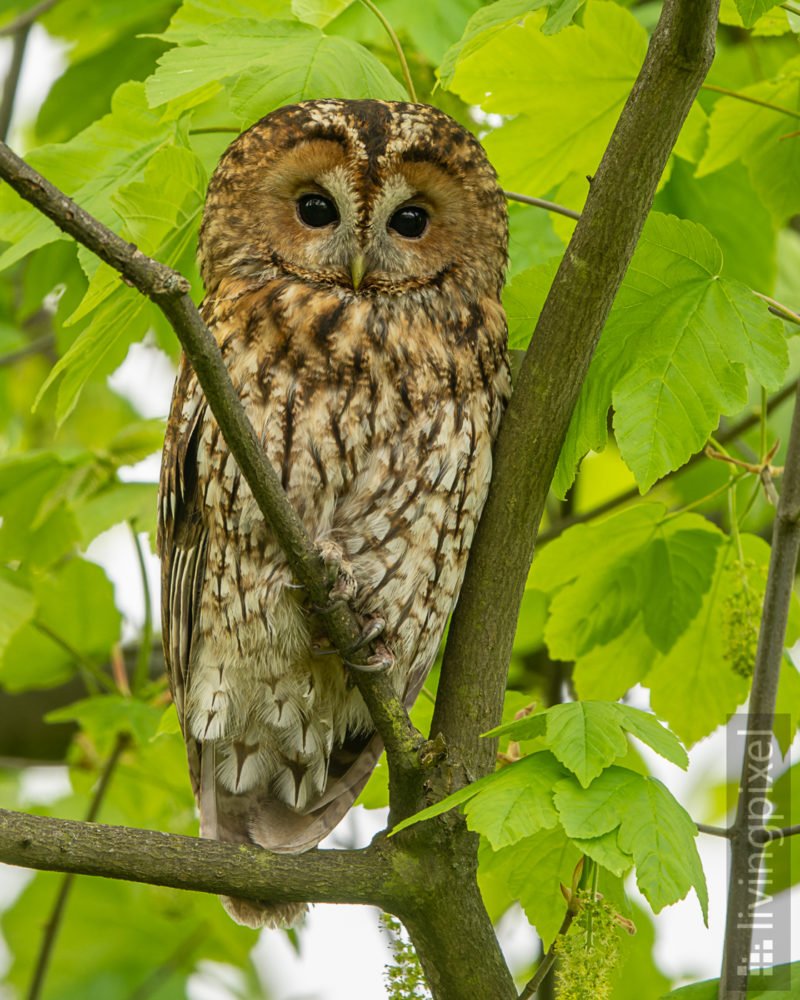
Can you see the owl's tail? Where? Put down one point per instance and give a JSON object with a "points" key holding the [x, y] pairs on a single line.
{"points": [[256, 818]]}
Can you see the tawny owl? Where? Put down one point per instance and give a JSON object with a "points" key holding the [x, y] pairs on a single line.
{"points": [[353, 254]]}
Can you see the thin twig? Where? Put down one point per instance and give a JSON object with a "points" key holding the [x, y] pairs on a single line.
{"points": [[714, 831], [549, 206], [780, 833], [791, 9], [141, 673], [779, 309], [51, 928], [530, 988], [26, 18], [20, 42], [751, 100], [39, 346], [397, 47], [747, 831]]}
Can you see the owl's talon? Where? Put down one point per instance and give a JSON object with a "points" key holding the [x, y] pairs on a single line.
{"points": [[382, 659], [370, 632]]}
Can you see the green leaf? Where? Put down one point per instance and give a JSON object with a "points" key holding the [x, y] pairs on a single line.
{"points": [[694, 687], [532, 871], [91, 168], [740, 130], [779, 982], [106, 716], [162, 213], [17, 606], [674, 355], [523, 299], [318, 12], [752, 10], [747, 237], [651, 827], [37, 525], [270, 63], [649, 730], [588, 736], [137, 440], [505, 806], [566, 90], [75, 617], [193, 16], [517, 802], [638, 569], [444, 805], [489, 20], [135, 502], [605, 850], [84, 92]]}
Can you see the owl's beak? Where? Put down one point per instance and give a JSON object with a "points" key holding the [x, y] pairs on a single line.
{"points": [[358, 267]]}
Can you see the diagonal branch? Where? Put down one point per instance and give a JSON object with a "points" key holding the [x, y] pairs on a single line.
{"points": [[482, 633], [62, 845], [170, 292]]}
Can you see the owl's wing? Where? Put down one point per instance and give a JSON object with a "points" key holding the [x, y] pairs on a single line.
{"points": [[182, 543]]}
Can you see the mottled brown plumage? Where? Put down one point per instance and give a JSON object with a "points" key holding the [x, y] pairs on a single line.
{"points": [[377, 402]]}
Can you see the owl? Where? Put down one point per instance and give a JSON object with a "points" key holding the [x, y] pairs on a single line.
{"points": [[353, 255]]}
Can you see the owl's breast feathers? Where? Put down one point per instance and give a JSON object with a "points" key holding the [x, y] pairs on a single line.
{"points": [[379, 416]]}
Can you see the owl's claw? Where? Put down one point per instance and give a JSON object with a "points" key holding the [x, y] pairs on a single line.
{"points": [[381, 659], [371, 631]]}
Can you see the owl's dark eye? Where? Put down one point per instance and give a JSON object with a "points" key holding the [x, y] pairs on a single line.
{"points": [[316, 210], [411, 221]]}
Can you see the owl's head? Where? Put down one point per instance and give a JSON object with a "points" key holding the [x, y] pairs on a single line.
{"points": [[375, 197]]}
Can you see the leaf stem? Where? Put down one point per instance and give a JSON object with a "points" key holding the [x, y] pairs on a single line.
{"points": [[750, 100], [51, 928], [141, 673], [709, 496], [397, 47]]}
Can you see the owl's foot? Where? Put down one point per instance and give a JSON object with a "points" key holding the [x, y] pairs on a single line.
{"points": [[381, 659], [370, 632], [345, 585]]}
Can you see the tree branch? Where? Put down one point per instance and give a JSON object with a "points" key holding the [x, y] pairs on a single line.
{"points": [[27, 17], [170, 292], [748, 833], [481, 636], [62, 845], [19, 45]]}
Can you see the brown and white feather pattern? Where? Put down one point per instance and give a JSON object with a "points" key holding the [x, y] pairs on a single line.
{"points": [[378, 407]]}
